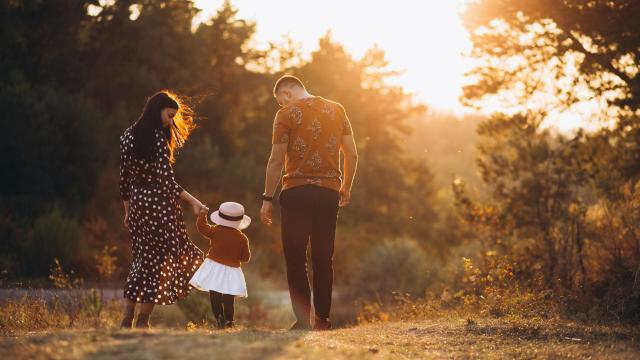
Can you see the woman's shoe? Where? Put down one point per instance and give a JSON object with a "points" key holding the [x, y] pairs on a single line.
{"points": [[229, 324], [143, 321]]}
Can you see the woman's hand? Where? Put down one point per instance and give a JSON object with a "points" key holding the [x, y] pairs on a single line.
{"points": [[203, 210], [198, 206]]}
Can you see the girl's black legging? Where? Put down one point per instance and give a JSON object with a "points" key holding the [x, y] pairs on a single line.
{"points": [[222, 304]]}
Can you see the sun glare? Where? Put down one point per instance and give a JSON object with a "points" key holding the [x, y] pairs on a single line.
{"points": [[424, 39]]}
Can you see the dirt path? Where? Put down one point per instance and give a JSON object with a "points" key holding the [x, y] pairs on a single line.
{"points": [[432, 339]]}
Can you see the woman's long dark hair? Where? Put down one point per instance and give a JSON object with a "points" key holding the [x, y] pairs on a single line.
{"points": [[150, 120]]}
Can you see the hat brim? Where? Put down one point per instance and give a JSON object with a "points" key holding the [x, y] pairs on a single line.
{"points": [[240, 224]]}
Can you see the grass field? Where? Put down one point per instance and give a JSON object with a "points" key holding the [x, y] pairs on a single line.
{"points": [[429, 339]]}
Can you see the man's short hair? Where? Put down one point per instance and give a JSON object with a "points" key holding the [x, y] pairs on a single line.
{"points": [[287, 80]]}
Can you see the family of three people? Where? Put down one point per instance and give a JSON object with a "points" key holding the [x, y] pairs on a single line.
{"points": [[309, 133]]}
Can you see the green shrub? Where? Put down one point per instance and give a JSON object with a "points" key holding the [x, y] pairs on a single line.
{"points": [[399, 265], [54, 235]]}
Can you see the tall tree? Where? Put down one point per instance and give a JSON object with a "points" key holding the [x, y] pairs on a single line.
{"points": [[574, 49]]}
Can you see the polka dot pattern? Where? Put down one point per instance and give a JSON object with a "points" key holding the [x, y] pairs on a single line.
{"points": [[164, 258]]}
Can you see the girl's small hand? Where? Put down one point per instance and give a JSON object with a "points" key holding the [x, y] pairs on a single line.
{"points": [[204, 210]]}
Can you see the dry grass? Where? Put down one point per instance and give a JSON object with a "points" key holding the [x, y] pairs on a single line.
{"points": [[436, 338], [32, 328], [79, 310]]}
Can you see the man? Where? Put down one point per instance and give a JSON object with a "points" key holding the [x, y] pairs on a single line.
{"points": [[308, 134]]}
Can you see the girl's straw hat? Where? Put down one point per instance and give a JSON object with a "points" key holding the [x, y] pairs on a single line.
{"points": [[231, 214]]}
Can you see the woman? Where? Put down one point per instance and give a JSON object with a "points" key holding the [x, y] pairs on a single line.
{"points": [[164, 258]]}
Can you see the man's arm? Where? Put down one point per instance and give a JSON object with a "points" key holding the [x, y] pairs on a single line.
{"points": [[274, 168], [272, 178], [350, 164]]}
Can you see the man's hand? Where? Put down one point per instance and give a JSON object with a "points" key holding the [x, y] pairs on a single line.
{"points": [[345, 197], [266, 215]]}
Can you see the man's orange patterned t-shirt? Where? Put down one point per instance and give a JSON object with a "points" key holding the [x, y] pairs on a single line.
{"points": [[313, 129]]}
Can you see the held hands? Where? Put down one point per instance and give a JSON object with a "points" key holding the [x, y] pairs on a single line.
{"points": [[203, 210], [266, 213], [198, 207]]}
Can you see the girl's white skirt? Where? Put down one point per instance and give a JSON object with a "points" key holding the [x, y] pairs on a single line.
{"points": [[221, 278]]}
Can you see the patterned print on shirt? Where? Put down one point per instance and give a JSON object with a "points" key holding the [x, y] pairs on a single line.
{"points": [[300, 147], [308, 101], [316, 161], [332, 145], [329, 110], [295, 115], [332, 174], [316, 182], [315, 128]]}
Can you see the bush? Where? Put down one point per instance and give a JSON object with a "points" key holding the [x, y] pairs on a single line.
{"points": [[54, 235], [399, 265]]}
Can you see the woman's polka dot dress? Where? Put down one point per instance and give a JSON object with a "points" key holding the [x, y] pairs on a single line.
{"points": [[164, 258]]}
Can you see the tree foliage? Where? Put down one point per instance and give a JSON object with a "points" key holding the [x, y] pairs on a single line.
{"points": [[71, 82]]}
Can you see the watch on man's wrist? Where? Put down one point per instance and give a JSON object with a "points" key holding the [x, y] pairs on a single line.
{"points": [[265, 197]]}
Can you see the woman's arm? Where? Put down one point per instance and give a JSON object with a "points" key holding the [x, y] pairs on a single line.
{"points": [[197, 206], [167, 177], [125, 187], [126, 213]]}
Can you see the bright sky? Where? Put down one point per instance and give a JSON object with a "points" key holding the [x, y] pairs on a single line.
{"points": [[424, 38]]}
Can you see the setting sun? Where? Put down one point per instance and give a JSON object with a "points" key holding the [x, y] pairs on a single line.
{"points": [[424, 39]]}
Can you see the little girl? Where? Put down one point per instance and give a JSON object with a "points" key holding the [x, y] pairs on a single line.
{"points": [[220, 273]]}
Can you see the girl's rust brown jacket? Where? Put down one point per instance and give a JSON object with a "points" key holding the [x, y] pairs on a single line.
{"points": [[227, 246]]}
